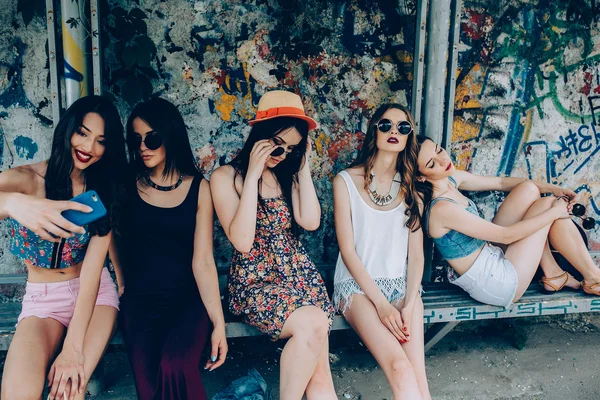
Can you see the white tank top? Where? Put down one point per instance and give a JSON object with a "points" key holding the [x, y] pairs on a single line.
{"points": [[381, 242]]}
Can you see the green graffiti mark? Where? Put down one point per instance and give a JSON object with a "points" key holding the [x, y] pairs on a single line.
{"points": [[25, 147]]}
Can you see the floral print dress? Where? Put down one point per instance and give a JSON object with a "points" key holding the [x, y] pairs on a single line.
{"points": [[276, 277]]}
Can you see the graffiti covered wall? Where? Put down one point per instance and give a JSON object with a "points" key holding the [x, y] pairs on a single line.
{"points": [[526, 102], [215, 59], [528, 95], [25, 105]]}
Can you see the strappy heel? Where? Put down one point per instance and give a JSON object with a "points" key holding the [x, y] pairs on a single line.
{"points": [[556, 288], [591, 288]]}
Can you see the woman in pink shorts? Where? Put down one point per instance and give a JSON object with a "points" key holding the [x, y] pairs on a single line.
{"points": [[69, 295]]}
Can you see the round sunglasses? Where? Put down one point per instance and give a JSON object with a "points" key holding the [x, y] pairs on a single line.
{"points": [[153, 140], [579, 211], [404, 127]]}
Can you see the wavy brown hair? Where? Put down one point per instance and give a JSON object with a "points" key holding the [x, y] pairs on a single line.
{"points": [[406, 164]]}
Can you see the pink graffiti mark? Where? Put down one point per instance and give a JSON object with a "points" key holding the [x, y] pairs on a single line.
{"points": [[477, 28], [263, 50], [344, 144], [588, 78], [207, 157], [359, 104]]}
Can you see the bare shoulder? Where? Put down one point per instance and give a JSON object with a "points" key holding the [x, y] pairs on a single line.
{"points": [[204, 192], [27, 179], [443, 208], [223, 174], [356, 171]]}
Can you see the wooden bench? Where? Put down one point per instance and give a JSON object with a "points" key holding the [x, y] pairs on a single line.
{"points": [[445, 307]]}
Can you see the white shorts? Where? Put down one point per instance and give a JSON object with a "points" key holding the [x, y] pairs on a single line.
{"points": [[492, 279]]}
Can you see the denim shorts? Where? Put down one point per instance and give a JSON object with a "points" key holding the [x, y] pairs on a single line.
{"points": [[492, 279]]}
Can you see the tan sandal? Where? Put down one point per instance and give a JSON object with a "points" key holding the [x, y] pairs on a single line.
{"points": [[591, 288], [557, 288]]}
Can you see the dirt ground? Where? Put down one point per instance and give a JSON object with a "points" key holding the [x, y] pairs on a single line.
{"points": [[549, 359]]}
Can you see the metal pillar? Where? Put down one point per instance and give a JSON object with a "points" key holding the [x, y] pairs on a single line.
{"points": [[436, 59], [96, 53], [418, 63], [54, 82], [453, 61], [74, 47]]}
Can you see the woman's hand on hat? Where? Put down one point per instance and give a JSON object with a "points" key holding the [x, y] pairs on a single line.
{"points": [[258, 158]]}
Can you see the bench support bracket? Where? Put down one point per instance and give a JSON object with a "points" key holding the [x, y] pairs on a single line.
{"points": [[436, 333]]}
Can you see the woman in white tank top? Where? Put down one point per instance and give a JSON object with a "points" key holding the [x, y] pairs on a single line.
{"points": [[380, 266]]}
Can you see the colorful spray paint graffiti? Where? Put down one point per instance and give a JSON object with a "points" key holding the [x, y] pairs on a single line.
{"points": [[74, 35], [527, 95], [215, 60]]}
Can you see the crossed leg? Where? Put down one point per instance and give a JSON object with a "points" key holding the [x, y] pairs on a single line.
{"points": [[513, 210]]}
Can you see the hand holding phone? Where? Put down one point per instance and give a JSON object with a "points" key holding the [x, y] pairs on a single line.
{"points": [[91, 199]]}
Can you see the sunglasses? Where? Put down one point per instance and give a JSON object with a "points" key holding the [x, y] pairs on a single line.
{"points": [[579, 211], [153, 140], [404, 127]]}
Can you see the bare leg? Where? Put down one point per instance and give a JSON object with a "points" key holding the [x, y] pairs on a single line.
{"points": [[320, 385], [513, 210], [566, 239], [390, 355], [34, 344], [100, 330], [415, 347], [525, 254], [307, 329]]}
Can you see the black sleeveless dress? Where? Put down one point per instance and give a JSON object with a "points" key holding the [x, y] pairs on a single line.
{"points": [[163, 320]]}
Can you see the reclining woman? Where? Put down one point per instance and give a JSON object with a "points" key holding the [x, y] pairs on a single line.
{"points": [[498, 274], [380, 266], [70, 304], [260, 198]]}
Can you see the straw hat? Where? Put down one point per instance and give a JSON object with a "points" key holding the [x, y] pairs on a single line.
{"points": [[279, 103]]}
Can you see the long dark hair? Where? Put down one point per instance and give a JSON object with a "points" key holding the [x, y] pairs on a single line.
{"points": [[405, 165], [286, 171], [424, 189], [164, 118], [104, 176]]}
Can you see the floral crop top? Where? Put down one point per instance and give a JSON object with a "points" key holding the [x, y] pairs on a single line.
{"points": [[28, 246]]}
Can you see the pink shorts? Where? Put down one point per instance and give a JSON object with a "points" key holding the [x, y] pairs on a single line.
{"points": [[57, 300]]}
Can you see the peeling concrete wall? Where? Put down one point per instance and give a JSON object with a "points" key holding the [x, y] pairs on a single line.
{"points": [[25, 107], [528, 95], [215, 60], [528, 83]]}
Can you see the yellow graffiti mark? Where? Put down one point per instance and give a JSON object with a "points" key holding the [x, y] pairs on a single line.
{"points": [[226, 104], [75, 57], [322, 142], [462, 158], [469, 90], [463, 130], [528, 124]]}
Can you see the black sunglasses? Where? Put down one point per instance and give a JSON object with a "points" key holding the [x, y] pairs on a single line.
{"points": [[153, 140], [404, 127], [579, 211]]}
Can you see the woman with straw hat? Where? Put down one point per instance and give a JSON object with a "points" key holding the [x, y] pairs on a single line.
{"points": [[261, 198]]}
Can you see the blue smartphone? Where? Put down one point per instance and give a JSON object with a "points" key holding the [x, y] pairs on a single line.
{"points": [[89, 198]]}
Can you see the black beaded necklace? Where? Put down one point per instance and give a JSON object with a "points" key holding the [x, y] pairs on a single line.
{"points": [[164, 188]]}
